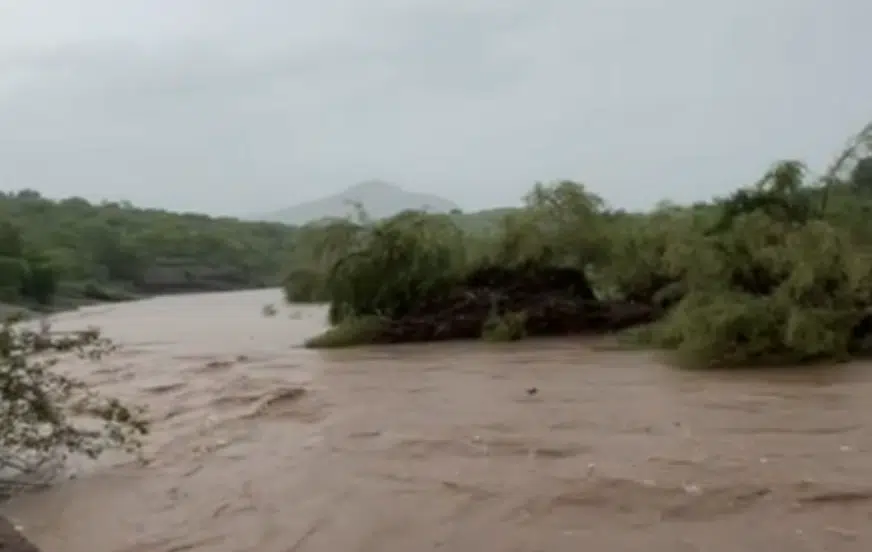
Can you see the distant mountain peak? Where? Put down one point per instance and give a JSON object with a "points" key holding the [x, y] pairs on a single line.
{"points": [[374, 186], [380, 199]]}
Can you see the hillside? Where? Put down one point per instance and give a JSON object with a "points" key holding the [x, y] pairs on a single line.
{"points": [[56, 254], [379, 199]]}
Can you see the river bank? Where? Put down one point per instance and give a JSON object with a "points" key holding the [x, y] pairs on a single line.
{"points": [[75, 296]]}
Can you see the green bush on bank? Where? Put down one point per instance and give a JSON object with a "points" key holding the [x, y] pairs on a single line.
{"points": [[778, 272]]}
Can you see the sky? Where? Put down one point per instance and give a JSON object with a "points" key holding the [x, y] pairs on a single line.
{"points": [[237, 107]]}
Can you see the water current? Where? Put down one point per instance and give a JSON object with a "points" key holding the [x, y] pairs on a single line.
{"points": [[260, 445]]}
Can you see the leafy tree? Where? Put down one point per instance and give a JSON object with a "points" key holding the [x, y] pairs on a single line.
{"points": [[861, 176]]}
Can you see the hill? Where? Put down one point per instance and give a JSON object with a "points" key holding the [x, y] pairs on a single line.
{"points": [[379, 199], [56, 254]]}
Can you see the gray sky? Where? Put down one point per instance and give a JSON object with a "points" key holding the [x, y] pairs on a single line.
{"points": [[238, 106]]}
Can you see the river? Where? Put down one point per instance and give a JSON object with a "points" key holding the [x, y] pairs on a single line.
{"points": [[260, 445]]}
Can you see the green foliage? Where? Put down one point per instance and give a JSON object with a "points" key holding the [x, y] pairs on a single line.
{"points": [[777, 272], [44, 415], [317, 248], [861, 177], [41, 280], [561, 224], [48, 248], [13, 273], [508, 327], [391, 264], [386, 270], [772, 282], [351, 331]]}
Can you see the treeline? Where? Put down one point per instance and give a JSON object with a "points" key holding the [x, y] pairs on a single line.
{"points": [[68, 251], [779, 271]]}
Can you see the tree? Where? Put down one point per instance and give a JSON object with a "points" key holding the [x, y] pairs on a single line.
{"points": [[861, 176], [39, 407]]}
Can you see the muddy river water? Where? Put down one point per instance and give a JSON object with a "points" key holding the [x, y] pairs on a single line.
{"points": [[262, 446]]}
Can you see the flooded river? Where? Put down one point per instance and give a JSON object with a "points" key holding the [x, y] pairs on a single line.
{"points": [[262, 446]]}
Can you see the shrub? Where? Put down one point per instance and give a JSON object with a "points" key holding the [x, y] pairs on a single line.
{"points": [[46, 415], [393, 264], [777, 272], [351, 331], [509, 327]]}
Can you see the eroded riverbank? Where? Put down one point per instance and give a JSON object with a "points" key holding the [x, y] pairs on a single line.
{"points": [[260, 445]]}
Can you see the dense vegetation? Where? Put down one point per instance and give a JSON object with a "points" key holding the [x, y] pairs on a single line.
{"points": [[779, 271], [61, 253]]}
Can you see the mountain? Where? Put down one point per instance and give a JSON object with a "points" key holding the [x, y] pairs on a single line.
{"points": [[379, 200]]}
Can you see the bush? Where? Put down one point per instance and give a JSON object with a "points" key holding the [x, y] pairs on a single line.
{"points": [[393, 264], [351, 331], [41, 282], [771, 283], [45, 415], [778, 272], [13, 272], [508, 327]]}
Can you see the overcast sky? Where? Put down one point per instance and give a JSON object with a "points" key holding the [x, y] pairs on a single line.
{"points": [[239, 106]]}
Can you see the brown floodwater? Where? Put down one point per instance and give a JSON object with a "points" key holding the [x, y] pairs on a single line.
{"points": [[260, 445]]}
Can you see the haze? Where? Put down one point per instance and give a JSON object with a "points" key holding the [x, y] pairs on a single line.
{"points": [[232, 107]]}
